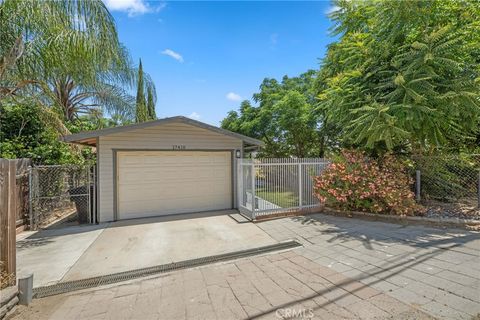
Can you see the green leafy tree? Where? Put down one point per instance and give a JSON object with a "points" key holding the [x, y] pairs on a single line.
{"points": [[24, 134], [285, 118], [404, 77], [141, 112], [295, 117]]}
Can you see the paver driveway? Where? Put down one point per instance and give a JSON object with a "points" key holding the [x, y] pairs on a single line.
{"points": [[264, 287], [347, 269], [437, 270]]}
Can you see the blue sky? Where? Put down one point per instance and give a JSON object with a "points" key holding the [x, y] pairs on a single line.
{"points": [[207, 56]]}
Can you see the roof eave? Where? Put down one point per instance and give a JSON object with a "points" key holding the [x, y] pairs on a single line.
{"points": [[83, 136]]}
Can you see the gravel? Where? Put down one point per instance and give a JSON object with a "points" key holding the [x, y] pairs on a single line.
{"points": [[459, 210]]}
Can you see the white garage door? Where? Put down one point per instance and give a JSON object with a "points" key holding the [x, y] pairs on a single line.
{"points": [[154, 183]]}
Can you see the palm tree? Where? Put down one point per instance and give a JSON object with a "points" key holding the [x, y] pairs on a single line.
{"points": [[44, 37], [67, 54], [74, 99]]}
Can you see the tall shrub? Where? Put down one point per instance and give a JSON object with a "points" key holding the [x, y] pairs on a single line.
{"points": [[141, 114], [151, 105], [356, 182]]}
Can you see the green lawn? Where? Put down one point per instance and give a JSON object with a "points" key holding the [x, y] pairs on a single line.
{"points": [[284, 199]]}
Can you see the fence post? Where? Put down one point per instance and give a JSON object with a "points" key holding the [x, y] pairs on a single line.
{"points": [[94, 193], [417, 185], [254, 200], [30, 198], [300, 186], [25, 288], [478, 189], [239, 183], [8, 205], [89, 194]]}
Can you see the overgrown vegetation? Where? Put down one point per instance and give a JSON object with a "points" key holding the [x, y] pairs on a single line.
{"points": [[24, 134], [449, 178], [356, 182], [404, 77]]}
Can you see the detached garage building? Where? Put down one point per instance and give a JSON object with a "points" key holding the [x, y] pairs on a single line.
{"points": [[167, 166]]}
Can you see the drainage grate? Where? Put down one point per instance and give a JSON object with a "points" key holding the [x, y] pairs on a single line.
{"points": [[69, 286]]}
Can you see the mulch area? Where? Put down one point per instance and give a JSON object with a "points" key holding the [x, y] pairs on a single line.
{"points": [[462, 210]]}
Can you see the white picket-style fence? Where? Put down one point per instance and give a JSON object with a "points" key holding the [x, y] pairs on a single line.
{"points": [[280, 185]]}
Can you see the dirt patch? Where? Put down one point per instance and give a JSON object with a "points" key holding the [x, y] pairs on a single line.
{"points": [[6, 279], [39, 309], [67, 215], [461, 209], [446, 222]]}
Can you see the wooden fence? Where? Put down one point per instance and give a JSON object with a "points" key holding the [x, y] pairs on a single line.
{"points": [[12, 210]]}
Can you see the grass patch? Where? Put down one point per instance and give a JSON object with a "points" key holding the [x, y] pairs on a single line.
{"points": [[284, 199]]}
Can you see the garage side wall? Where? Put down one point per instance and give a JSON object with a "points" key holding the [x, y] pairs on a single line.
{"points": [[163, 137]]}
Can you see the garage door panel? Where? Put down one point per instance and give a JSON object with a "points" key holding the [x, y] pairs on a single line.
{"points": [[167, 206], [172, 202], [154, 183], [177, 164], [151, 183], [140, 173], [164, 193], [140, 158], [186, 176]]}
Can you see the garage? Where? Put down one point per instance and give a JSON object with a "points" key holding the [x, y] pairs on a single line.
{"points": [[153, 183], [164, 167]]}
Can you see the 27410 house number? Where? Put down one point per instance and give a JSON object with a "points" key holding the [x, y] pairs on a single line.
{"points": [[179, 147]]}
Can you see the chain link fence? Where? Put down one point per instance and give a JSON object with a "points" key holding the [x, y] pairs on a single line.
{"points": [[449, 185], [61, 193], [22, 191]]}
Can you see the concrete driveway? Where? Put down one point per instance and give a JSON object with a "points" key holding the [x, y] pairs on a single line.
{"points": [[75, 253], [346, 269], [49, 254]]}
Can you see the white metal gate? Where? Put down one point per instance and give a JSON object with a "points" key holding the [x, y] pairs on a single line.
{"points": [[272, 186]]}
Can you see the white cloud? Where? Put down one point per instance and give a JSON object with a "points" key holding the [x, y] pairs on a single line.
{"points": [[274, 38], [233, 96], [332, 9], [133, 7], [194, 116], [175, 55], [160, 7]]}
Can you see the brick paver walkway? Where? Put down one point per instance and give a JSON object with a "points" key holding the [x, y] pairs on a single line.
{"points": [[347, 269], [273, 286], [436, 270]]}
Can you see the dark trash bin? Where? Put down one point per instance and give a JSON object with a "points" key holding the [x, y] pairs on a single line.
{"points": [[80, 197]]}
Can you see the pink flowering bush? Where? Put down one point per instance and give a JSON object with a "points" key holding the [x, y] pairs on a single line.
{"points": [[356, 182]]}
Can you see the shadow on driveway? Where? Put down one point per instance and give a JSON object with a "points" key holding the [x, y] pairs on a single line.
{"points": [[367, 232]]}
